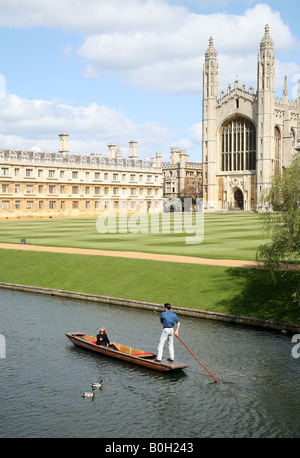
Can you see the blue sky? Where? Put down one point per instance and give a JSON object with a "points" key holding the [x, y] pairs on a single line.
{"points": [[109, 73]]}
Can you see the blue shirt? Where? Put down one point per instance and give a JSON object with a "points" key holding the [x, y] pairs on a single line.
{"points": [[168, 319]]}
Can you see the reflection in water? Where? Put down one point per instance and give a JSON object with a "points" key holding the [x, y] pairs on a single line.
{"points": [[44, 375]]}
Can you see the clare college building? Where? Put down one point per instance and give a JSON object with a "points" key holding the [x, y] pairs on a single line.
{"points": [[34, 184], [248, 137]]}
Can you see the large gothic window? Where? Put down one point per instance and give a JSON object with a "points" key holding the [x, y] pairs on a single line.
{"points": [[238, 145]]}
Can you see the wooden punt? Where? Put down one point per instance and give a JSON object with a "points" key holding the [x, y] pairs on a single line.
{"points": [[124, 353]]}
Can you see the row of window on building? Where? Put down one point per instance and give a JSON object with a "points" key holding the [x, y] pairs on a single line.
{"points": [[75, 204], [67, 174], [61, 189]]}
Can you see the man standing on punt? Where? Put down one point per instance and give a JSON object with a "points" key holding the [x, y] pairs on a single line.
{"points": [[168, 319]]}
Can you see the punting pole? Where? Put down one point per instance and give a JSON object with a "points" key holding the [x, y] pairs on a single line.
{"points": [[194, 355], [199, 360]]}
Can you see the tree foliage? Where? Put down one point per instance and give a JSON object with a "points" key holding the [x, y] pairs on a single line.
{"points": [[281, 223]]}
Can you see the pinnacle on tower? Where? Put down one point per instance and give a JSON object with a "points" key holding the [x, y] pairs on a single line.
{"points": [[211, 52], [266, 41], [266, 64], [285, 87], [118, 152]]}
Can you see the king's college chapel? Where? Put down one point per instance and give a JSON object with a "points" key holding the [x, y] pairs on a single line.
{"points": [[248, 137]]}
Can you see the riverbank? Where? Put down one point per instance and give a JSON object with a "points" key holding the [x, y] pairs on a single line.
{"points": [[242, 320], [214, 290]]}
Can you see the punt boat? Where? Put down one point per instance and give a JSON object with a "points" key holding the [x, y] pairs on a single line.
{"points": [[124, 353]]}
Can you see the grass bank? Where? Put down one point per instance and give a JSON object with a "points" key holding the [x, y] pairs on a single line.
{"points": [[245, 292]]}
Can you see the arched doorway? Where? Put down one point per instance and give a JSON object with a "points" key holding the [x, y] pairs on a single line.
{"points": [[238, 200]]}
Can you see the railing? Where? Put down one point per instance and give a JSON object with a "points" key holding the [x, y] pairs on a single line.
{"points": [[66, 161]]}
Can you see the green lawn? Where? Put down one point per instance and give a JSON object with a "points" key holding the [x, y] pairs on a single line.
{"points": [[235, 291], [226, 236]]}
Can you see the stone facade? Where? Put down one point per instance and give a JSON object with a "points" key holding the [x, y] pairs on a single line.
{"points": [[248, 137], [182, 178], [34, 184]]}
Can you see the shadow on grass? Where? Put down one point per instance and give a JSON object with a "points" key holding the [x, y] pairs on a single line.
{"points": [[265, 297]]}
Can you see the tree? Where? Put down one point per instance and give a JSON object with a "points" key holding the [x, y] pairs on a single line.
{"points": [[282, 226], [193, 188]]}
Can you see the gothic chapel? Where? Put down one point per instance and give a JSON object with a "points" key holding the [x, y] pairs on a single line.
{"points": [[247, 137]]}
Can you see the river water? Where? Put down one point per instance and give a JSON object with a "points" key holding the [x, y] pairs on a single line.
{"points": [[43, 376]]}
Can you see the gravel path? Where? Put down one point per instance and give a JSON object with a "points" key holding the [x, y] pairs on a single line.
{"points": [[131, 254]]}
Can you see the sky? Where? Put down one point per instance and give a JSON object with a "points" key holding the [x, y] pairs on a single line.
{"points": [[108, 73]]}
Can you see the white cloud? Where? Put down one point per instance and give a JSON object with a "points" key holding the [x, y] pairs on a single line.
{"points": [[42, 121], [196, 133], [90, 16], [171, 61], [152, 43], [174, 76], [67, 52], [207, 3], [193, 139]]}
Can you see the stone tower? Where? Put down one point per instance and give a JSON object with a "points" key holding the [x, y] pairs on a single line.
{"points": [[265, 114], [209, 124]]}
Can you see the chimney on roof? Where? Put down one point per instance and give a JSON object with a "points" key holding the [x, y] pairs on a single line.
{"points": [[133, 149], [63, 143], [111, 150]]}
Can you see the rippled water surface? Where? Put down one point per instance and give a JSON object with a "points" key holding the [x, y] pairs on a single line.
{"points": [[44, 375]]}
